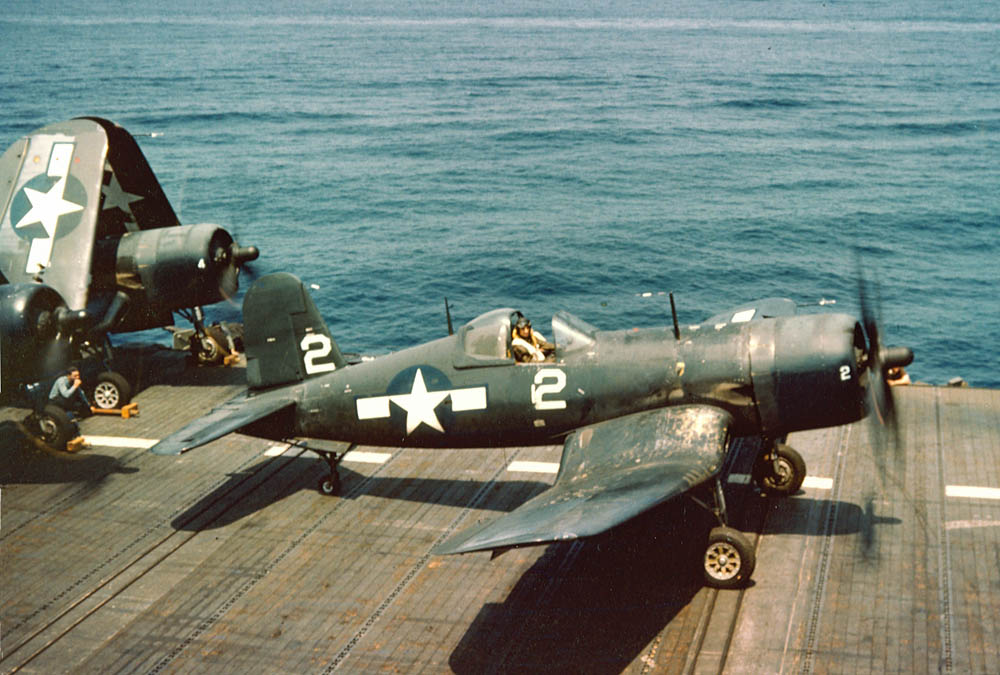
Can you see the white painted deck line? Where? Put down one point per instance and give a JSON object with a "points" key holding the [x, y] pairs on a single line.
{"points": [[362, 457], [970, 524], [972, 492], [120, 441], [818, 482], [534, 467], [815, 482]]}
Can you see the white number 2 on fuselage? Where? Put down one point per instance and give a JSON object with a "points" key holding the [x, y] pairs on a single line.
{"points": [[548, 382]]}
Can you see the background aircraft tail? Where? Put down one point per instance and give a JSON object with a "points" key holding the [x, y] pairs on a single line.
{"points": [[285, 338]]}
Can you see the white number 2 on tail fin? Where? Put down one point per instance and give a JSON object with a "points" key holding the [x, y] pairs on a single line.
{"points": [[316, 346]]}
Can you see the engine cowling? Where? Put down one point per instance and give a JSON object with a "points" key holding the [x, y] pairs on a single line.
{"points": [[30, 316], [806, 373], [179, 267]]}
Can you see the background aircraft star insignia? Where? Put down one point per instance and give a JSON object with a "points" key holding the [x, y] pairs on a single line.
{"points": [[47, 207], [116, 197]]}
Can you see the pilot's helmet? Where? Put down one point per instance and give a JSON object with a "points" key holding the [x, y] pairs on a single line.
{"points": [[522, 322]]}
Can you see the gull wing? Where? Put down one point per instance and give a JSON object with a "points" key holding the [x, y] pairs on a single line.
{"points": [[233, 415], [50, 198], [610, 473], [65, 186]]}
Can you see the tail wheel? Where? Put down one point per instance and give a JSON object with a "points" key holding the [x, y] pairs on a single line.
{"points": [[55, 428], [111, 391], [782, 474], [729, 558], [330, 486]]}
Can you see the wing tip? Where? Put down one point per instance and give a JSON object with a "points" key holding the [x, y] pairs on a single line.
{"points": [[168, 449]]}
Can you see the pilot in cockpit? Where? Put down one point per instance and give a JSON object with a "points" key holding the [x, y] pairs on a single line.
{"points": [[528, 345]]}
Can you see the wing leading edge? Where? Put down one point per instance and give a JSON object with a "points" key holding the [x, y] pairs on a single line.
{"points": [[231, 416], [611, 472]]}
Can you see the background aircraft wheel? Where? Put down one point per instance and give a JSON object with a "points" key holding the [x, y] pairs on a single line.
{"points": [[111, 391], [330, 486], [209, 352], [729, 558], [55, 428], [782, 476]]}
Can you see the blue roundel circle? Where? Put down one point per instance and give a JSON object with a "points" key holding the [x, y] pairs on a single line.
{"points": [[74, 194], [407, 381]]}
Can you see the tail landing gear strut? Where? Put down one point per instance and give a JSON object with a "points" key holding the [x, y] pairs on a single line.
{"points": [[330, 485]]}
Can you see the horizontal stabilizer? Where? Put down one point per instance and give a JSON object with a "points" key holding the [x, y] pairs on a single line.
{"points": [[610, 473], [232, 415]]}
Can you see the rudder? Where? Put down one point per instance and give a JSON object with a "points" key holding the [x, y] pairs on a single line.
{"points": [[285, 338]]}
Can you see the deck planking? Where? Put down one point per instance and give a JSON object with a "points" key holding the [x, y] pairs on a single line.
{"points": [[227, 558]]}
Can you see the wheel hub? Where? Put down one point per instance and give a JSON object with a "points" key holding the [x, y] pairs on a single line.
{"points": [[106, 395], [783, 473], [722, 561]]}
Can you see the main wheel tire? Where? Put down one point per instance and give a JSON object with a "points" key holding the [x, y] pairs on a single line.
{"points": [[329, 486], [729, 558], [55, 428], [111, 391], [782, 476]]}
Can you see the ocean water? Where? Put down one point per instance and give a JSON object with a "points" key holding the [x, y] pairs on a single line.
{"points": [[562, 155]]}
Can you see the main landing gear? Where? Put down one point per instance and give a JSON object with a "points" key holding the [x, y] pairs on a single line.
{"points": [[779, 470], [52, 425], [111, 391], [729, 558]]}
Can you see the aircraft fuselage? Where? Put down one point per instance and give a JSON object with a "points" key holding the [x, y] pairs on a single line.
{"points": [[763, 373]]}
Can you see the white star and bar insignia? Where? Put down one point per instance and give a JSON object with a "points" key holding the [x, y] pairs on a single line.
{"points": [[48, 207], [419, 404]]}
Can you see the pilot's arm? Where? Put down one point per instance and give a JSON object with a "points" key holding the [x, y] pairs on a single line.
{"points": [[546, 347]]}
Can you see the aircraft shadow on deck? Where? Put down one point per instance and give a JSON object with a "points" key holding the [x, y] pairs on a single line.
{"points": [[597, 609], [28, 461], [269, 481], [237, 498], [595, 605]]}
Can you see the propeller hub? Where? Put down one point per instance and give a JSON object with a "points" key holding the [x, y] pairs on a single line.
{"points": [[896, 357], [69, 320], [243, 254]]}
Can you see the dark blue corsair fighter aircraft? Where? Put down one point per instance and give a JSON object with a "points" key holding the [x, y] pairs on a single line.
{"points": [[644, 415], [89, 245]]}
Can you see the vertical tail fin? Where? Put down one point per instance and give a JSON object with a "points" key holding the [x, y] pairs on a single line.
{"points": [[285, 338]]}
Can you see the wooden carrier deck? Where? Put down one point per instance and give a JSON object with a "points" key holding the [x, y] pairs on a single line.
{"points": [[228, 560]]}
